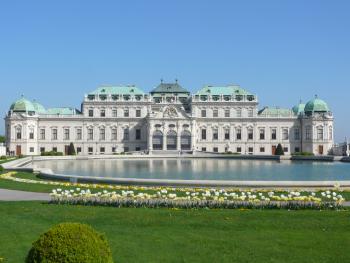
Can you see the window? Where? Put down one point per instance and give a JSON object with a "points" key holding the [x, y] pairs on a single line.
{"points": [[42, 149], [91, 113], [54, 134], [138, 113], [227, 134], [31, 149], [308, 133], [262, 134], [126, 113], [90, 134], [285, 135], [215, 113], [204, 134], [296, 149], [126, 149], [102, 134], [227, 113], [215, 149], [54, 149], [273, 134], [296, 134], [138, 134], [114, 149], [239, 134], [66, 134], [330, 135], [239, 113], [250, 113], [126, 134], [285, 149], [319, 133], [42, 134], [102, 150], [137, 148], [114, 113], [31, 133], [204, 113], [78, 149], [239, 149], [114, 134], [204, 149], [103, 113], [18, 133], [262, 149], [250, 134], [250, 149], [90, 150], [79, 134], [215, 134]]}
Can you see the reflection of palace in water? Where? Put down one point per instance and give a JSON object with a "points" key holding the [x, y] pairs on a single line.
{"points": [[115, 119]]}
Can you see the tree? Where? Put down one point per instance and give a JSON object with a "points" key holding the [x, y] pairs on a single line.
{"points": [[2, 139], [279, 150], [71, 149]]}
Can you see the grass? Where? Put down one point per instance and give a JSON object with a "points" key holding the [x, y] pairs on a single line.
{"points": [[163, 235]]}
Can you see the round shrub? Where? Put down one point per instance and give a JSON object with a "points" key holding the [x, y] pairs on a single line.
{"points": [[70, 242]]}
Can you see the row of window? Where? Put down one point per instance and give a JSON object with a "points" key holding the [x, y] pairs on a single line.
{"points": [[250, 149], [102, 113], [90, 149], [227, 113]]}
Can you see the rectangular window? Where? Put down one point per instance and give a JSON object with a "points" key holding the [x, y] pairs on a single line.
{"points": [[42, 134], [91, 113], [137, 148], [54, 149], [78, 149], [114, 113], [79, 134], [54, 134], [138, 134], [297, 149], [204, 149], [102, 150], [285, 135], [114, 134], [90, 150], [42, 149], [215, 149], [102, 113], [126, 113], [227, 113], [250, 149], [250, 134], [215, 134], [31, 149], [239, 113], [138, 113], [18, 133], [250, 113], [31, 134], [126, 134], [102, 134], [262, 149], [239, 134], [215, 113], [227, 134], [66, 134], [239, 149], [273, 134], [114, 149], [262, 134], [90, 134], [203, 113], [126, 149], [296, 134], [319, 133], [204, 134], [308, 133], [285, 149]]}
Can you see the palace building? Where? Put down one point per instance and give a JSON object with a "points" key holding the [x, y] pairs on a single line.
{"points": [[115, 119]]}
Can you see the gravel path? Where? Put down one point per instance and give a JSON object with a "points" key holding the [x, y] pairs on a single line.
{"points": [[14, 195]]}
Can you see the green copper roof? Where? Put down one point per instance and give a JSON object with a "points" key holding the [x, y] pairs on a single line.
{"points": [[316, 105], [298, 109], [22, 105], [223, 90], [117, 90], [62, 111], [169, 88], [275, 112], [39, 108]]}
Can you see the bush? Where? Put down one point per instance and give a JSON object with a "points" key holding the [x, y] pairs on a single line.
{"points": [[303, 154], [3, 157], [51, 153], [70, 242], [1, 169], [71, 149], [279, 150]]}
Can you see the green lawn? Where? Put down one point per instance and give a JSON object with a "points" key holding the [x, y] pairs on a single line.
{"points": [[163, 235]]}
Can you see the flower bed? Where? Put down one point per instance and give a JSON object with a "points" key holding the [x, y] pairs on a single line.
{"points": [[200, 199]]}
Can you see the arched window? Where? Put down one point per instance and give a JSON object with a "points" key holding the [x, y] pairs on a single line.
{"points": [[157, 140], [171, 140], [186, 140]]}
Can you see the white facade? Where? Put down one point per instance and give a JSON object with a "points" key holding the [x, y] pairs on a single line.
{"points": [[215, 119]]}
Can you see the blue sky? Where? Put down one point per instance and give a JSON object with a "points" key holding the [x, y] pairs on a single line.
{"points": [[284, 51]]}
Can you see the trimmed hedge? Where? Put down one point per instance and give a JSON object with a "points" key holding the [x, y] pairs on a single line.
{"points": [[70, 242], [51, 153], [1, 169]]}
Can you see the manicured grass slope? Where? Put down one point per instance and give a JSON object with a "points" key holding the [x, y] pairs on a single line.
{"points": [[162, 235]]}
